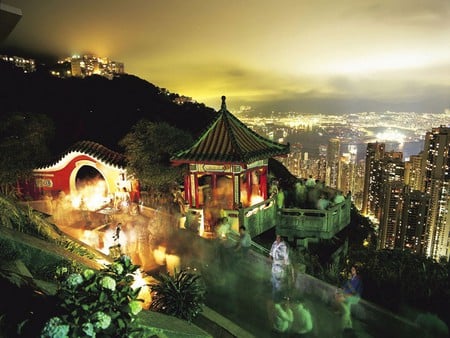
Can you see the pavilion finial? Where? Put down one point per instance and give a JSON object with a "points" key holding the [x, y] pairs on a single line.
{"points": [[224, 105]]}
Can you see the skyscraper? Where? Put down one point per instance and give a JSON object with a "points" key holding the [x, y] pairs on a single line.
{"points": [[390, 214], [333, 158], [414, 175], [374, 153], [437, 180], [414, 214]]}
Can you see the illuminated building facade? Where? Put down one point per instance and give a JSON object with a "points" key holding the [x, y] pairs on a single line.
{"points": [[437, 181], [27, 65], [372, 177], [414, 172], [414, 216], [347, 170], [390, 215], [293, 161], [333, 161], [87, 65]]}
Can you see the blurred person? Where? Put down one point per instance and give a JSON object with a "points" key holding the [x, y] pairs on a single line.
{"points": [[225, 242], [339, 198], [302, 324], [282, 318], [323, 202], [349, 294], [280, 198], [279, 255], [245, 241], [310, 182]]}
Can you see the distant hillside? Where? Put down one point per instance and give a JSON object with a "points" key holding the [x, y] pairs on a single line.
{"points": [[95, 108]]}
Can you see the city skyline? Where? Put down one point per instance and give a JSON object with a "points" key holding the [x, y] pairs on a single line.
{"points": [[306, 57]]}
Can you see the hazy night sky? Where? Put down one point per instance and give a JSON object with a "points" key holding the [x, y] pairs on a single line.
{"points": [[298, 55]]}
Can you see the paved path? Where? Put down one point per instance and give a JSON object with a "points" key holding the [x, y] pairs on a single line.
{"points": [[240, 290]]}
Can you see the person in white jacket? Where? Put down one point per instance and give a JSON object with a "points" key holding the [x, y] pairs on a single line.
{"points": [[279, 254]]}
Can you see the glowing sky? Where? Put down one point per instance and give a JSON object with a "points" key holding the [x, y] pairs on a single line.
{"points": [[296, 55]]}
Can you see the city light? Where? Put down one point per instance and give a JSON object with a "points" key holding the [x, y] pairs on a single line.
{"points": [[391, 135]]}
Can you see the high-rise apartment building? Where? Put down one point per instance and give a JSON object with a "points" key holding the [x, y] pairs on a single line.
{"points": [[414, 173], [390, 201], [437, 185], [293, 161], [347, 170], [414, 216], [372, 181], [390, 214], [333, 161]]}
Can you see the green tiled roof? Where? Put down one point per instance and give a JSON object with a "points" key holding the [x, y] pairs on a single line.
{"points": [[228, 140]]}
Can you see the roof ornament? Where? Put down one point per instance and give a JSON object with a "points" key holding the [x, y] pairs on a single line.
{"points": [[224, 105]]}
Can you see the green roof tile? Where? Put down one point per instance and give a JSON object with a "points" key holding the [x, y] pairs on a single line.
{"points": [[228, 140]]}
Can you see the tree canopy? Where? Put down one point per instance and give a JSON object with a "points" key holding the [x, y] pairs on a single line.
{"points": [[24, 139], [148, 148]]}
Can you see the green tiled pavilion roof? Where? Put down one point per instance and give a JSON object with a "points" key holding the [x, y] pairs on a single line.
{"points": [[228, 140]]}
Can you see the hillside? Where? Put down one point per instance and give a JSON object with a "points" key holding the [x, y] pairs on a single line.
{"points": [[95, 108]]}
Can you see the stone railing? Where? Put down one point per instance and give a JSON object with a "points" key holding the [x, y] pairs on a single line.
{"points": [[313, 223]]}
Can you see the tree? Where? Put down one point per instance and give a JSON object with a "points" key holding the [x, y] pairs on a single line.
{"points": [[148, 148], [23, 147]]}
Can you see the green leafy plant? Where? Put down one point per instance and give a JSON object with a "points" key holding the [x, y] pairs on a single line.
{"points": [[97, 304], [181, 295]]}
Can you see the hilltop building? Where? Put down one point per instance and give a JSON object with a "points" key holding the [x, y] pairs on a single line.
{"points": [[26, 64], [87, 65]]}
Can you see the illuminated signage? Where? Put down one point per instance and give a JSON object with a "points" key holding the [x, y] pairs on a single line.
{"points": [[216, 168], [44, 183]]}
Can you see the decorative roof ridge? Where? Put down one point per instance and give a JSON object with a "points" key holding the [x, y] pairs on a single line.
{"points": [[93, 149], [201, 134], [245, 127], [226, 116], [239, 144]]}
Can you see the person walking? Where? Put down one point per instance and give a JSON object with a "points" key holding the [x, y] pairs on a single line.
{"points": [[245, 242], [279, 255]]}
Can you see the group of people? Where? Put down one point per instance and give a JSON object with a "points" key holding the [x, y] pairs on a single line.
{"points": [[288, 318], [307, 194], [294, 318]]}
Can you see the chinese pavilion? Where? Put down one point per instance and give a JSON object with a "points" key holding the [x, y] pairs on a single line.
{"points": [[227, 168]]}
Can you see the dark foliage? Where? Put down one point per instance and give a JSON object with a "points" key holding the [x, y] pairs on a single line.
{"points": [[95, 108], [24, 307], [282, 174]]}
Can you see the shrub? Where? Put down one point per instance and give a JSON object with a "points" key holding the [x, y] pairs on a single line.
{"points": [[181, 295], [97, 303]]}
